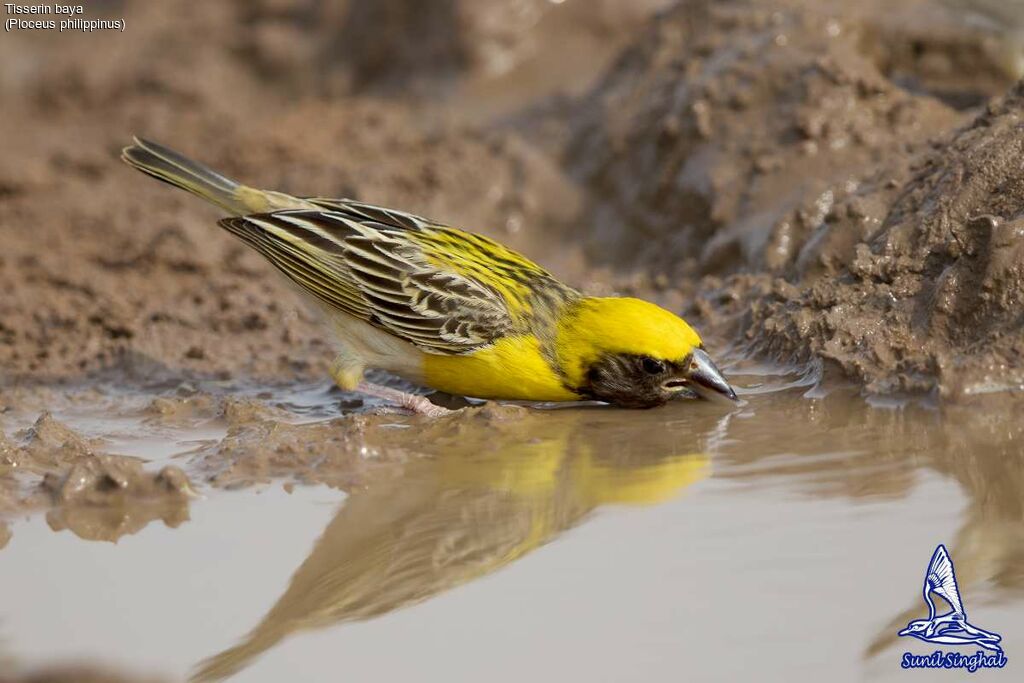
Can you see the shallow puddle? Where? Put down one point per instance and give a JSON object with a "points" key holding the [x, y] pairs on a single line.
{"points": [[786, 538]]}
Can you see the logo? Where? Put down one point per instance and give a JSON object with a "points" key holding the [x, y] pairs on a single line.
{"points": [[951, 628]]}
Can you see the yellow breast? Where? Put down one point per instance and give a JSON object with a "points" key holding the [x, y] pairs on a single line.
{"points": [[512, 368]]}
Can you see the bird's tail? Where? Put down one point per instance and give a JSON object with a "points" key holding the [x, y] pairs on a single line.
{"points": [[178, 170], [171, 167]]}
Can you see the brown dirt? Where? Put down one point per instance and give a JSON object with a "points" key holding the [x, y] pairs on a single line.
{"points": [[720, 138], [926, 296], [792, 154], [100, 263]]}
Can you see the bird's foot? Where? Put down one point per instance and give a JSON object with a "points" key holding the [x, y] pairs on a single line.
{"points": [[405, 401]]}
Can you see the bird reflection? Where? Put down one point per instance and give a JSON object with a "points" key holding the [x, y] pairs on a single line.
{"points": [[487, 493]]}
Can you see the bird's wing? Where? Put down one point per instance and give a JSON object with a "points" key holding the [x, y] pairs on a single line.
{"points": [[941, 579], [444, 290], [512, 276]]}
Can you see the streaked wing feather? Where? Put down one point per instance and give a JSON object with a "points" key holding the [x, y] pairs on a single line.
{"points": [[352, 260], [362, 212], [474, 258], [295, 264]]}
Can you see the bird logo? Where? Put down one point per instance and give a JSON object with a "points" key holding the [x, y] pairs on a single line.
{"points": [[951, 628]]}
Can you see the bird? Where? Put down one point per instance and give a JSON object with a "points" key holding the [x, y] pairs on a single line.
{"points": [[449, 309], [951, 628]]}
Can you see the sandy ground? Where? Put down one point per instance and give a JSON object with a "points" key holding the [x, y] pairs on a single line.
{"points": [[806, 181], [790, 158]]}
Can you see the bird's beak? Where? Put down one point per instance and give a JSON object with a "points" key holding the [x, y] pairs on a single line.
{"points": [[904, 632], [704, 377]]}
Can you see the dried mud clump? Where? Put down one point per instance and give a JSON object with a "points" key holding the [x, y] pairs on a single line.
{"points": [[933, 299], [97, 495], [723, 120], [109, 479]]}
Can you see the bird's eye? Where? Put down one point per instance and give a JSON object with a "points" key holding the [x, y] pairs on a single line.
{"points": [[653, 366]]}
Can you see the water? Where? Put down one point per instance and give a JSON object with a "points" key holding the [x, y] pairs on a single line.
{"points": [[783, 540]]}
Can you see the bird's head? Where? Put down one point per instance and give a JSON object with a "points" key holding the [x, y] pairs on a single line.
{"points": [[634, 354], [915, 627]]}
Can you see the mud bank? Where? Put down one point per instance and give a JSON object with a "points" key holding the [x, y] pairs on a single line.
{"points": [[225, 436], [770, 143], [823, 181], [723, 120], [928, 293], [101, 268]]}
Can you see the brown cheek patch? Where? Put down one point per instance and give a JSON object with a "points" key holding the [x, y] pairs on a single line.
{"points": [[622, 381]]}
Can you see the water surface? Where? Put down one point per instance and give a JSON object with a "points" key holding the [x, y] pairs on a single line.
{"points": [[787, 537]]}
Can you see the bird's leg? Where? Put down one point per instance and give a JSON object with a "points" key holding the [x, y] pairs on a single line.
{"points": [[347, 372], [412, 402]]}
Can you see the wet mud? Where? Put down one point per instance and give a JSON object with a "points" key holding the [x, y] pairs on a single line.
{"points": [[850, 217], [97, 495], [832, 194], [484, 492]]}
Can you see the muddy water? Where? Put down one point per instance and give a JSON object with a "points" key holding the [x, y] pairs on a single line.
{"points": [[789, 534]]}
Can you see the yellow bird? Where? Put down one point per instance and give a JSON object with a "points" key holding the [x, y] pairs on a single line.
{"points": [[449, 309]]}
